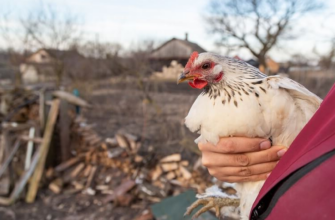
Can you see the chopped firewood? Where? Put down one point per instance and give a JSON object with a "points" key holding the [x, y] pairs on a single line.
{"points": [[169, 166], [56, 185], [102, 187], [171, 158], [90, 191], [159, 184], [186, 174], [111, 141], [184, 163], [63, 166], [124, 200], [120, 190], [77, 185], [49, 173], [153, 199], [77, 170], [107, 192], [156, 173], [122, 141], [170, 175], [87, 170], [115, 152], [90, 177], [138, 159]]}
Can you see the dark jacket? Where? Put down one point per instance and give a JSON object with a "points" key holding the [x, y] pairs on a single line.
{"points": [[302, 186]]}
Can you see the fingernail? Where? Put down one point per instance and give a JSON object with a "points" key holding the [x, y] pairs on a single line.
{"points": [[265, 145], [281, 152]]}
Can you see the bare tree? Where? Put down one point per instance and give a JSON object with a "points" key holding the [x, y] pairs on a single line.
{"points": [[256, 25], [98, 49], [42, 28], [327, 59]]}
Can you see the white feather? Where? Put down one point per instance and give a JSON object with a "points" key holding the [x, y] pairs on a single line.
{"points": [[280, 113]]}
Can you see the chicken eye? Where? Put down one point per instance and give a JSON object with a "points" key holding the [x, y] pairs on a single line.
{"points": [[205, 66]]}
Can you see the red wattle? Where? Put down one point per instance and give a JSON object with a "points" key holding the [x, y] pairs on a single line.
{"points": [[198, 84]]}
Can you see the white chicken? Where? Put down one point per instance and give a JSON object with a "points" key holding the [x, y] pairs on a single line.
{"points": [[239, 100]]}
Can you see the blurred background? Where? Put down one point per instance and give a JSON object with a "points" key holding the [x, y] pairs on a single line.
{"points": [[118, 144]]}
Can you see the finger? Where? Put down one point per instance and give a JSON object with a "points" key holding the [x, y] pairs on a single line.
{"points": [[236, 145], [243, 171], [239, 179], [212, 159]]}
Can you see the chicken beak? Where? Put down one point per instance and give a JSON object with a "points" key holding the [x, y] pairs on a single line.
{"points": [[185, 76]]}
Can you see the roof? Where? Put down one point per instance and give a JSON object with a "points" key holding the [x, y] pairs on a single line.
{"points": [[177, 51], [61, 53]]}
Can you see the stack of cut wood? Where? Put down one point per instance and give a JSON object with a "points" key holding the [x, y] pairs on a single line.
{"points": [[28, 126], [55, 147]]}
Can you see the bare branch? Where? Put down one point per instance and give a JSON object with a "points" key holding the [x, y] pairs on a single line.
{"points": [[256, 24]]}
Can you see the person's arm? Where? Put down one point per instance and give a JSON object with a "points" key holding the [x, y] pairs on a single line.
{"points": [[239, 159]]}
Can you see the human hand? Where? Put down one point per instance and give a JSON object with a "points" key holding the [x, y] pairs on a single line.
{"points": [[240, 159]]}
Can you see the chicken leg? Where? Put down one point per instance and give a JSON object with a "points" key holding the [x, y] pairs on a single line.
{"points": [[212, 198]]}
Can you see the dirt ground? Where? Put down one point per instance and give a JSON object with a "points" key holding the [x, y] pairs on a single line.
{"points": [[155, 115]]}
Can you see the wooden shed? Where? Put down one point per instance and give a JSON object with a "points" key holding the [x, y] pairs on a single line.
{"points": [[174, 49]]}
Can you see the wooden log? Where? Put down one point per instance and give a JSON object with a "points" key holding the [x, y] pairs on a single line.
{"points": [[186, 174], [36, 140], [169, 166], [170, 175], [56, 185], [65, 165], [49, 128], [171, 158], [77, 170], [120, 190], [156, 173], [122, 141], [90, 177], [87, 170], [4, 166]]}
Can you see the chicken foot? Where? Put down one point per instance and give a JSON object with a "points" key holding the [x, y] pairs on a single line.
{"points": [[211, 202]]}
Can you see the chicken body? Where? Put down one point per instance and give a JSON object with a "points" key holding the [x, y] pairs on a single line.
{"points": [[246, 103]]}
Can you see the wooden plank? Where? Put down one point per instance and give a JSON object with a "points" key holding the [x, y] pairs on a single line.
{"points": [[19, 186], [3, 144], [29, 148], [49, 128], [42, 109], [4, 166], [64, 121], [71, 98]]}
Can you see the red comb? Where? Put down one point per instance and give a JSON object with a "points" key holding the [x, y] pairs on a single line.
{"points": [[190, 61]]}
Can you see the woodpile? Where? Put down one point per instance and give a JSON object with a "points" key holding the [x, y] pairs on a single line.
{"points": [[46, 143]]}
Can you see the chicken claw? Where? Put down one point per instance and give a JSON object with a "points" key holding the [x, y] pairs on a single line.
{"points": [[208, 200], [211, 202]]}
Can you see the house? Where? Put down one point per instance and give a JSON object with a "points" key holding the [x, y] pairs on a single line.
{"points": [[272, 67], [47, 65], [174, 49]]}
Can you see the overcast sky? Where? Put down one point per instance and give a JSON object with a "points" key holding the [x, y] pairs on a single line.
{"points": [[129, 22]]}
